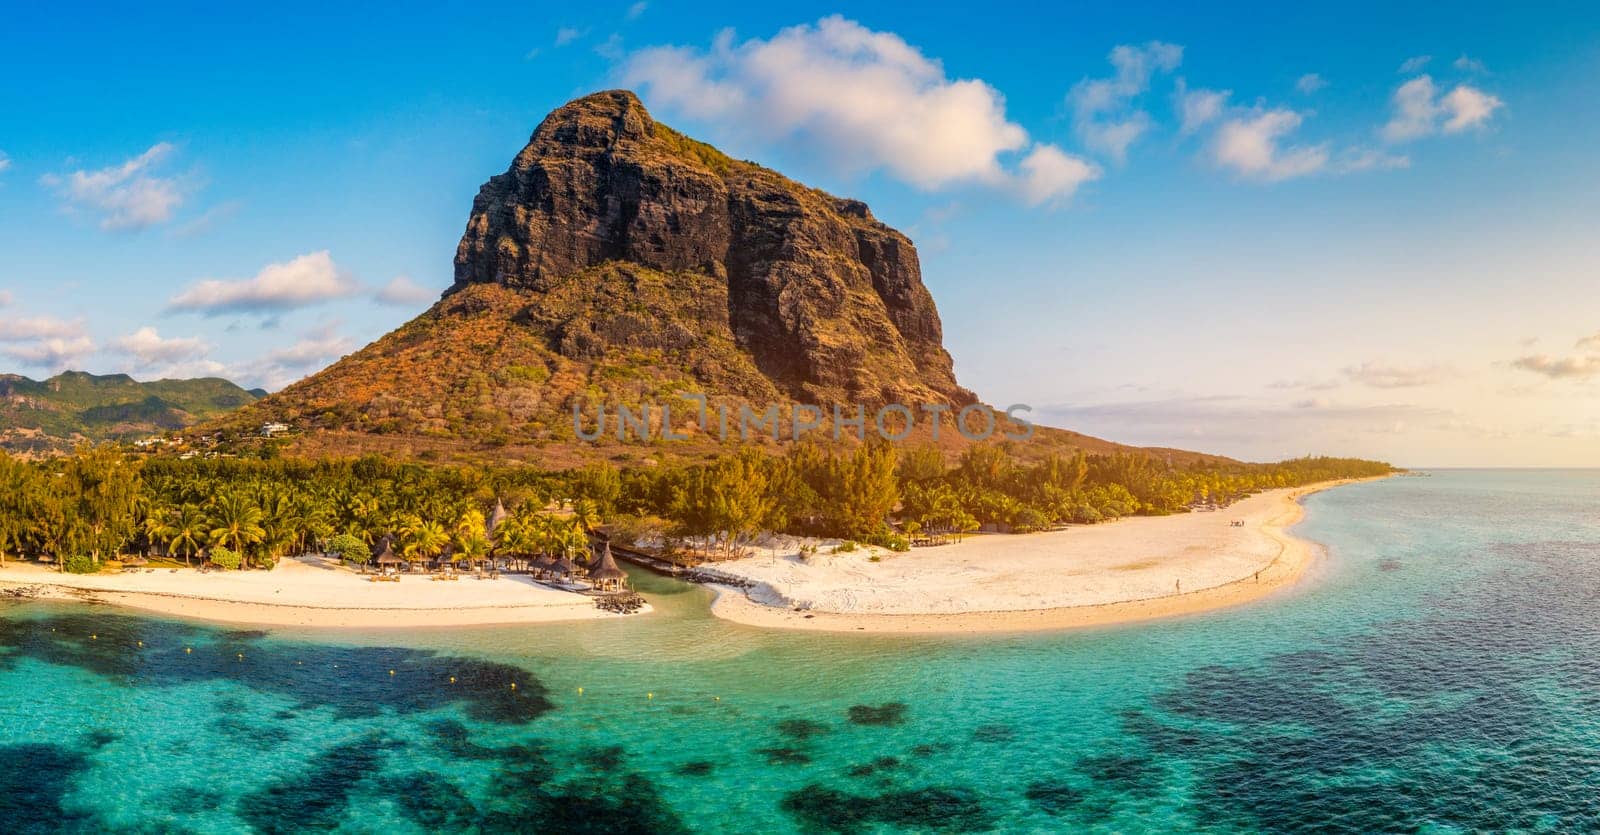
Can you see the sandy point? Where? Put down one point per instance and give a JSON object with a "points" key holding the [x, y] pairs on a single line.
{"points": [[1130, 570], [315, 592]]}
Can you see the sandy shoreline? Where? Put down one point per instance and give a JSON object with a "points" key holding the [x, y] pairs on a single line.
{"points": [[312, 592], [1130, 570]]}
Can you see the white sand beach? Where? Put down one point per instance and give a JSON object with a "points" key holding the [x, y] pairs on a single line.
{"points": [[312, 591], [1128, 570]]}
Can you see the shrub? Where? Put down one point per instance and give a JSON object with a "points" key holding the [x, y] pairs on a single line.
{"points": [[226, 558], [350, 549], [79, 564], [844, 547]]}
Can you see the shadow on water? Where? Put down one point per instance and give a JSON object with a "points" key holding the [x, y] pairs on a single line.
{"points": [[351, 681]]}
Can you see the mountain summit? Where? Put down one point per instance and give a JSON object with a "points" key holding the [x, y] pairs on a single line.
{"points": [[827, 302], [618, 260]]}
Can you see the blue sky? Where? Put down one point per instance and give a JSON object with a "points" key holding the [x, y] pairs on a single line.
{"points": [[1259, 230]]}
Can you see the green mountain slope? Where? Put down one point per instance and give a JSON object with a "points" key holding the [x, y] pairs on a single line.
{"points": [[41, 417]]}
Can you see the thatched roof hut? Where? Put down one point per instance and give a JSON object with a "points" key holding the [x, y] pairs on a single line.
{"points": [[386, 554], [496, 517], [604, 573], [562, 567]]}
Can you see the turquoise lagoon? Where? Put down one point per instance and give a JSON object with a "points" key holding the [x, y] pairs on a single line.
{"points": [[1439, 672]]}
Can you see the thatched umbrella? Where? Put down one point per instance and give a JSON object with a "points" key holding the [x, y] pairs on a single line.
{"points": [[604, 574], [563, 567], [386, 555]]}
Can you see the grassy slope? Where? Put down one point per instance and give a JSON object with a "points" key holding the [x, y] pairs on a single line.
{"points": [[74, 406]]}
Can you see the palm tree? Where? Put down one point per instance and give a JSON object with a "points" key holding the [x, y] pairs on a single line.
{"points": [[235, 522], [181, 528], [420, 540], [586, 514]]}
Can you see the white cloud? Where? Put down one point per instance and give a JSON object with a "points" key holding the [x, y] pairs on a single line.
{"points": [[1468, 107], [5, 161], [1380, 375], [636, 9], [1251, 146], [403, 292], [1049, 173], [1580, 367], [860, 99], [1198, 108], [1419, 110], [39, 327], [1352, 160], [1102, 107], [1560, 368], [149, 348], [306, 280], [567, 34], [127, 196], [54, 353], [1310, 83], [314, 350], [1466, 64], [6, 298], [1415, 64]]}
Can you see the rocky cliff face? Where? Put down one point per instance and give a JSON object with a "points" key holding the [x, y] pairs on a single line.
{"points": [[618, 261], [828, 302]]}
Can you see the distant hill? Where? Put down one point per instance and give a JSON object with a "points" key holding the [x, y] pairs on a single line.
{"points": [[42, 417]]}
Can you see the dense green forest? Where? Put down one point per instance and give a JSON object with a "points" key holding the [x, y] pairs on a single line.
{"points": [[89, 507]]}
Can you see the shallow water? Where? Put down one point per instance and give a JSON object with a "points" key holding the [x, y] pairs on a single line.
{"points": [[1439, 672]]}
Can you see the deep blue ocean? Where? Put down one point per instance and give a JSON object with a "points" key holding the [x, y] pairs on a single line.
{"points": [[1439, 671]]}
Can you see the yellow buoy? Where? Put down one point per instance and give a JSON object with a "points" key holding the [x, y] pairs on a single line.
{"points": [[391, 672], [241, 656], [717, 698], [94, 637], [580, 691], [188, 650], [452, 679], [513, 685], [141, 643], [649, 695]]}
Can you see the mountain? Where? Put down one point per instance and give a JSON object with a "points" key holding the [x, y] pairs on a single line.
{"points": [[619, 261], [72, 407]]}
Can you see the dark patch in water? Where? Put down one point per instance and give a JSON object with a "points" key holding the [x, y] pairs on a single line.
{"points": [[316, 797], [888, 713], [1054, 797], [993, 733], [928, 809], [285, 715], [523, 801], [697, 768], [606, 758], [99, 738], [353, 681], [34, 780], [431, 801], [785, 756], [877, 765], [255, 734], [1124, 773], [801, 729], [1389, 565], [928, 749], [455, 739]]}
